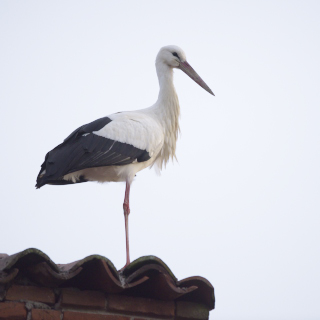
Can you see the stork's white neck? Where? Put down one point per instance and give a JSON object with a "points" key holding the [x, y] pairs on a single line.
{"points": [[168, 110], [165, 77], [167, 99]]}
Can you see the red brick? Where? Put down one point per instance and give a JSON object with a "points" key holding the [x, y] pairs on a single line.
{"points": [[89, 299], [148, 307], [13, 311], [31, 293], [70, 315], [42, 314]]}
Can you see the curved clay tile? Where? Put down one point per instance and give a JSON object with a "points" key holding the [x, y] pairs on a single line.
{"points": [[147, 277]]}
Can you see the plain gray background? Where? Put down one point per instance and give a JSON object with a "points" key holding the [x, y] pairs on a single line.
{"points": [[241, 207]]}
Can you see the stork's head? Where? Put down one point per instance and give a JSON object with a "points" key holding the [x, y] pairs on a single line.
{"points": [[174, 57]]}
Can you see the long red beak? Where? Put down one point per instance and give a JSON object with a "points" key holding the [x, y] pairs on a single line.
{"points": [[186, 68]]}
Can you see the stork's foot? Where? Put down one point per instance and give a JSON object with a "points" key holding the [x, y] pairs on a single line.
{"points": [[124, 266]]}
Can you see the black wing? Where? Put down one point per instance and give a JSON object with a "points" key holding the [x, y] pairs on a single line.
{"points": [[83, 149], [88, 128]]}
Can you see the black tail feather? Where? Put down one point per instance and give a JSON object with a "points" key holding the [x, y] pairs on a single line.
{"points": [[59, 182]]}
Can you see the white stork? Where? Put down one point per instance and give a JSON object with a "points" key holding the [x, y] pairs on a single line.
{"points": [[116, 147]]}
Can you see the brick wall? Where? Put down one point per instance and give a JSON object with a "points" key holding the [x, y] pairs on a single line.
{"points": [[21, 302]]}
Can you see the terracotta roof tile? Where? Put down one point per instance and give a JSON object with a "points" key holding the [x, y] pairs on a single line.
{"points": [[147, 277]]}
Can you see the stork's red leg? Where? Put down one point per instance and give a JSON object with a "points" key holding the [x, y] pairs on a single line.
{"points": [[126, 211]]}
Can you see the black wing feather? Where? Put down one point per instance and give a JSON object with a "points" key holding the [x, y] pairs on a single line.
{"points": [[83, 149], [88, 128]]}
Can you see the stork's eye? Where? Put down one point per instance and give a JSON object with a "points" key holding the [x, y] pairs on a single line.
{"points": [[176, 55]]}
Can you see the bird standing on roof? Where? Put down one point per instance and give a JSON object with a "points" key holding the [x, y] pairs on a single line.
{"points": [[116, 147]]}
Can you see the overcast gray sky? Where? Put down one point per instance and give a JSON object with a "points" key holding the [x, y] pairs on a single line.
{"points": [[241, 207]]}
